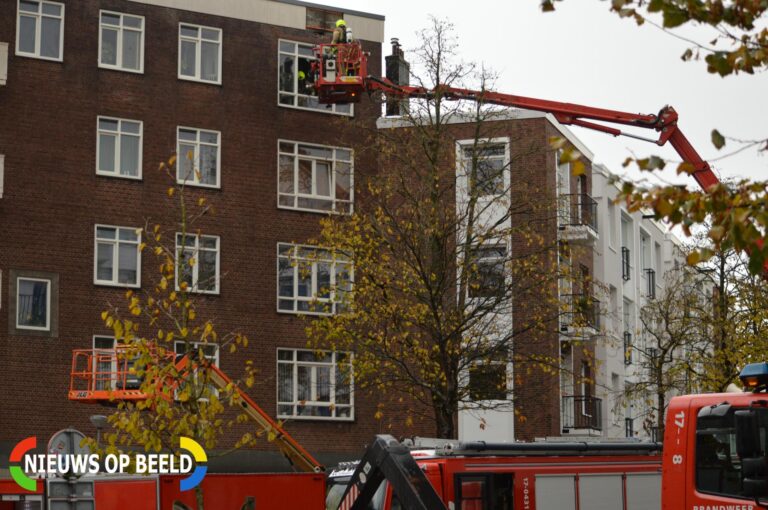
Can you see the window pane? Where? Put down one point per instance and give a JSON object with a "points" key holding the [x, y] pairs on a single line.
{"points": [[32, 308], [27, 28], [343, 154], [323, 177], [323, 280], [288, 47], [188, 58], [207, 270], [104, 261], [49, 37], [128, 234], [52, 9], [110, 19], [129, 155], [209, 137], [29, 6], [189, 31], [107, 153], [342, 385], [210, 61], [285, 271], [285, 382], [317, 152], [108, 46], [323, 389], [210, 34], [108, 124], [131, 49], [305, 176], [184, 268], [127, 269], [488, 382], [286, 74], [343, 178], [187, 134], [133, 22], [304, 390], [209, 242], [208, 164], [185, 162], [305, 280], [105, 233], [130, 127], [286, 174]]}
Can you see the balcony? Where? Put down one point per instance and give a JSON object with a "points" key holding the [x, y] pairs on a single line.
{"points": [[650, 284], [577, 218], [580, 312], [581, 413], [626, 271], [627, 348]]}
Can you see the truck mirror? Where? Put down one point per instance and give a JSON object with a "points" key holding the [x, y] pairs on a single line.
{"points": [[747, 434], [755, 481]]}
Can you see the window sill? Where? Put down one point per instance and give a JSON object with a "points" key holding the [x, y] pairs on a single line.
{"points": [[314, 211], [198, 80], [314, 418], [121, 69], [117, 285], [32, 328], [198, 185], [216, 292], [118, 176], [303, 312], [38, 57], [327, 111]]}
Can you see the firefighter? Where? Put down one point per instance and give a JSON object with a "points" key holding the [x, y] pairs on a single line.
{"points": [[341, 34]]}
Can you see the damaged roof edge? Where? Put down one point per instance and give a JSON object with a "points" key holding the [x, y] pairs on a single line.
{"points": [[362, 14]]}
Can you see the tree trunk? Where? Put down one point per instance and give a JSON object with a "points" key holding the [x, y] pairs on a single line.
{"points": [[199, 497], [444, 422]]}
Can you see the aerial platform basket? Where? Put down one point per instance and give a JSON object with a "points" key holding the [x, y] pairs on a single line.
{"points": [[340, 71], [104, 375]]}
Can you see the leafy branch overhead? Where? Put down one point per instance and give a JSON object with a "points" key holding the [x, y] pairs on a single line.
{"points": [[740, 43]]}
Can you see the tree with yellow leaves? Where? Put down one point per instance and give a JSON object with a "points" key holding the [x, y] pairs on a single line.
{"points": [[158, 325]]}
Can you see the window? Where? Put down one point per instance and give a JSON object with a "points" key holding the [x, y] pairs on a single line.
{"points": [[210, 352], [490, 162], [645, 250], [198, 157], [199, 262], [611, 224], [40, 30], [117, 256], [295, 63], [311, 280], [484, 491], [33, 303], [488, 381], [487, 278], [121, 42], [718, 465], [314, 384], [315, 177], [199, 53], [320, 19], [119, 147]]}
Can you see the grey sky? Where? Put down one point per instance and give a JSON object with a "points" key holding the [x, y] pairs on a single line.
{"points": [[582, 53]]}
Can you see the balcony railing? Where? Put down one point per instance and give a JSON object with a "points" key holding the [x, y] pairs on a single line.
{"points": [[581, 310], [625, 267], [627, 348], [650, 280], [582, 412], [578, 209]]}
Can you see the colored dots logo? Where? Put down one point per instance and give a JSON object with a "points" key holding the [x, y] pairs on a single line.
{"points": [[17, 473], [201, 469]]}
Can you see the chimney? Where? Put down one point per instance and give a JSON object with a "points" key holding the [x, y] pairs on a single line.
{"points": [[398, 72]]}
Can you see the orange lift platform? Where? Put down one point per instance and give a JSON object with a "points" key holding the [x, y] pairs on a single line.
{"points": [[106, 376]]}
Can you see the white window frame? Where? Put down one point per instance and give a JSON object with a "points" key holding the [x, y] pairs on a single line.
{"points": [[490, 260], [177, 344], [312, 300], [333, 110], [48, 309], [118, 147], [121, 29], [196, 268], [464, 164], [199, 54], [333, 407], [115, 256], [38, 30], [195, 181], [296, 195]]}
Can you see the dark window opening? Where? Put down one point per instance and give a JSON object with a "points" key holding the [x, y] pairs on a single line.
{"points": [[484, 491], [488, 381]]}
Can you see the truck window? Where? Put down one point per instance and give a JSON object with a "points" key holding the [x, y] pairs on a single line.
{"points": [[718, 467], [484, 491]]}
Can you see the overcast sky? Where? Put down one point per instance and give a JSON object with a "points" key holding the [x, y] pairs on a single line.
{"points": [[583, 53]]}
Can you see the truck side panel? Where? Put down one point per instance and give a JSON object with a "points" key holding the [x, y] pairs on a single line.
{"points": [[270, 491], [556, 492], [643, 491], [136, 494], [601, 492]]}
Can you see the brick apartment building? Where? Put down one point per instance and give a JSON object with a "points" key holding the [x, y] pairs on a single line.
{"points": [[97, 93]]}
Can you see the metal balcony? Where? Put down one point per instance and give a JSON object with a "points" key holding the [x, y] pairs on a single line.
{"points": [[650, 280], [627, 348], [626, 271], [581, 412], [577, 218], [580, 311]]}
